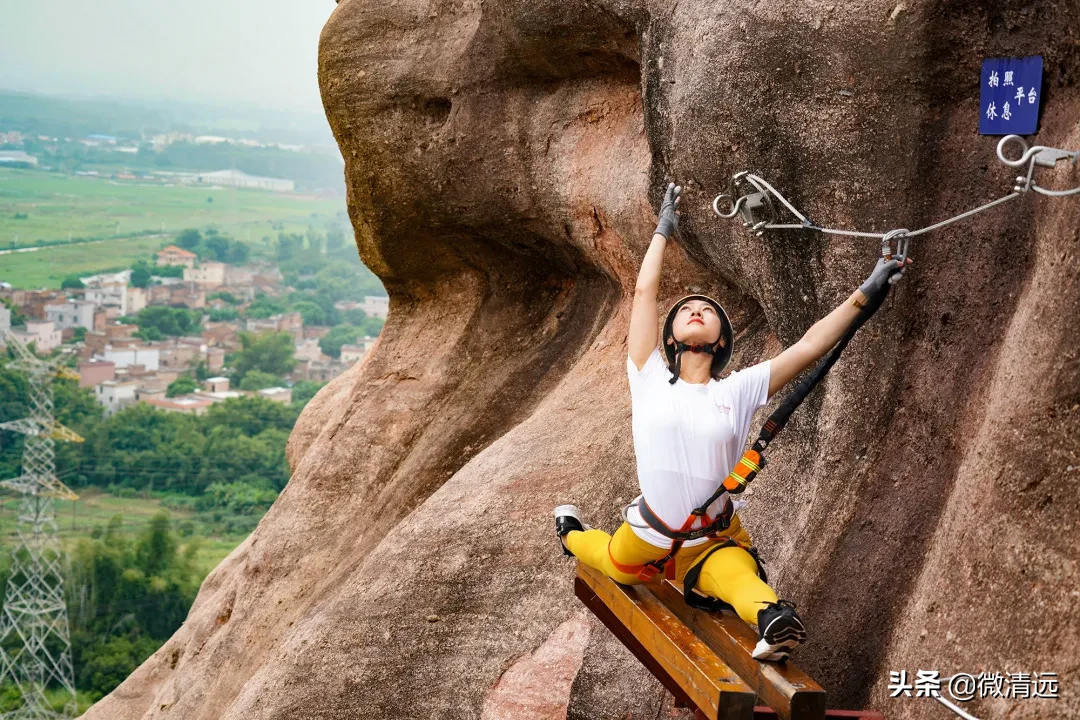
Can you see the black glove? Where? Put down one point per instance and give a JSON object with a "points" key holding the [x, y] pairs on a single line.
{"points": [[669, 221], [885, 272]]}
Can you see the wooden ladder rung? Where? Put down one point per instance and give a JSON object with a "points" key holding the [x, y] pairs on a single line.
{"points": [[789, 691], [686, 666]]}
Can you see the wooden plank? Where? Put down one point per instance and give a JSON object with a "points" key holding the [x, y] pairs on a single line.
{"points": [[594, 603], [763, 712], [704, 682], [789, 691]]}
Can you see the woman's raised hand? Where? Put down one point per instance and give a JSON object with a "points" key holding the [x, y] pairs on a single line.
{"points": [[669, 220], [886, 271]]}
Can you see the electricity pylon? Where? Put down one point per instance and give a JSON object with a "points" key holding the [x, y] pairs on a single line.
{"points": [[35, 641]]}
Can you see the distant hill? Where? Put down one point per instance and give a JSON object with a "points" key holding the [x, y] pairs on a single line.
{"points": [[135, 119]]}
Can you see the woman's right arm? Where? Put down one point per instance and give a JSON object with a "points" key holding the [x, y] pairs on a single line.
{"points": [[643, 317]]}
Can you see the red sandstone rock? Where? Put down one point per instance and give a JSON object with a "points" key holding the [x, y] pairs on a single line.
{"points": [[501, 157]]}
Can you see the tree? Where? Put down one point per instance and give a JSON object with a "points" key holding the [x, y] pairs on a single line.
{"points": [[175, 271], [226, 297], [257, 380], [339, 335], [237, 253], [150, 334], [304, 390], [168, 320], [312, 313], [220, 314], [17, 316], [264, 307], [249, 415], [182, 385], [288, 246], [189, 239], [269, 352], [156, 549], [79, 334], [217, 246], [373, 326], [140, 274], [72, 283]]}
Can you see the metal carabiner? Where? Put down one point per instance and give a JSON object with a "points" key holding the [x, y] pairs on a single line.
{"points": [[902, 241]]}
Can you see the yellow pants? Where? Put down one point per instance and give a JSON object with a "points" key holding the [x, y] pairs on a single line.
{"points": [[729, 574]]}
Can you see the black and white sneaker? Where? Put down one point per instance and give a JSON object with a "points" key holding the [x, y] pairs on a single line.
{"points": [[779, 631], [567, 518]]}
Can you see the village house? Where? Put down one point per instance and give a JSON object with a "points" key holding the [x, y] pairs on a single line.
{"points": [[186, 404], [309, 349], [173, 255], [317, 371], [123, 356], [277, 394], [216, 396], [120, 331], [206, 275], [292, 323], [221, 334], [72, 314], [350, 354], [376, 306], [314, 332], [214, 359], [136, 300], [34, 302], [236, 275], [179, 356], [44, 335], [108, 295], [155, 384], [115, 395], [216, 384], [93, 372]]}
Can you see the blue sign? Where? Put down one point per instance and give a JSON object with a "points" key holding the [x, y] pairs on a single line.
{"points": [[1010, 96]]}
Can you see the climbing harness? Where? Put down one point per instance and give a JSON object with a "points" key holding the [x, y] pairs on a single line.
{"points": [[753, 460], [697, 599], [710, 527], [753, 198]]}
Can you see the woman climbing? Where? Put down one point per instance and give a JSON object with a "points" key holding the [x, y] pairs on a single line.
{"points": [[689, 429]]}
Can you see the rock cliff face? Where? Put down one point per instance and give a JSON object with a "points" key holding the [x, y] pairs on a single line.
{"points": [[504, 159]]}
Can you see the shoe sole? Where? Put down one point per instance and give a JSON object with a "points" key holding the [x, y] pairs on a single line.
{"points": [[569, 511], [780, 637]]}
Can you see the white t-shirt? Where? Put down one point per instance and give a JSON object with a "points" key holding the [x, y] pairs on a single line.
{"points": [[687, 438]]}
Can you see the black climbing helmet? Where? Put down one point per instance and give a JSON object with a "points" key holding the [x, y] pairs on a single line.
{"points": [[673, 353]]}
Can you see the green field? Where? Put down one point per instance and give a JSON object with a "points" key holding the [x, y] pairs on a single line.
{"points": [[95, 508], [58, 207], [49, 266]]}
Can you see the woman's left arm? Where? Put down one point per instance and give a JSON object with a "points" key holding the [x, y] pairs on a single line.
{"points": [[827, 331]]}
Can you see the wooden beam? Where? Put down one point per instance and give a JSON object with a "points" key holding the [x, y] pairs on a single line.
{"points": [[685, 665], [762, 712], [789, 691]]}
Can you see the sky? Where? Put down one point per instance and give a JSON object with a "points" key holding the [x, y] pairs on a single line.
{"points": [[261, 52]]}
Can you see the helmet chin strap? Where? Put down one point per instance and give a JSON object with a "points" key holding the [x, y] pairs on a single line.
{"points": [[709, 349]]}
